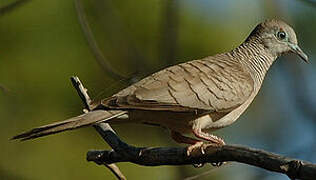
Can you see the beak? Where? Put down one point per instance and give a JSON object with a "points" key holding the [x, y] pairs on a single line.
{"points": [[297, 50]]}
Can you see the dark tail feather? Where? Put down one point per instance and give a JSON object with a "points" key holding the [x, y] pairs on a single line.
{"points": [[72, 123]]}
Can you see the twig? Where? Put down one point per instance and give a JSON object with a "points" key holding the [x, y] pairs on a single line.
{"points": [[83, 94], [120, 31], [8, 8], [93, 44], [169, 31], [116, 171], [147, 156]]}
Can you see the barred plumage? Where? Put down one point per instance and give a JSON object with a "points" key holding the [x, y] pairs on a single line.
{"points": [[208, 93]]}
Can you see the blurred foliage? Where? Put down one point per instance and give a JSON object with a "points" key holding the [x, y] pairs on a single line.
{"points": [[42, 45]]}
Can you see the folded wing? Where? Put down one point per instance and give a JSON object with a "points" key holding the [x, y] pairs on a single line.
{"points": [[210, 84]]}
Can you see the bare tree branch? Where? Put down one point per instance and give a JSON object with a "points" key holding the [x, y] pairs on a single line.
{"points": [[148, 156], [169, 28], [116, 171], [295, 169], [83, 94], [8, 8], [108, 69], [108, 11]]}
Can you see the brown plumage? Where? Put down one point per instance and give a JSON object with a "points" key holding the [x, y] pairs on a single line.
{"points": [[204, 94]]}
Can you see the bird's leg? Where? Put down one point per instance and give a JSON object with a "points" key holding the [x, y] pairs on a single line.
{"points": [[179, 138], [205, 136], [208, 137], [211, 138], [187, 140]]}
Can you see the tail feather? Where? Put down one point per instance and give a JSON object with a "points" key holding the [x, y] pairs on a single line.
{"points": [[72, 123]]}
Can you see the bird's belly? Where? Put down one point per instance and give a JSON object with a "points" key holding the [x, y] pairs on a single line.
{"points": [[176, 121], [183, 122], [211, 122], [226, 119]]}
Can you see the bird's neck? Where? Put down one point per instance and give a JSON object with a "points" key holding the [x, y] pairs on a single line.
{"points": [[255, 58]]}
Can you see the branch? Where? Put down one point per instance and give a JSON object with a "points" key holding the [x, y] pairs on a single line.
{"points": [[108, 69], [169, 31], [148, 156], [83, 94], [121, 34], [177, 156], [8, 8]]}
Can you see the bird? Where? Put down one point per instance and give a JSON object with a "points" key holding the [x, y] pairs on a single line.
{"points": [[195, 97]]}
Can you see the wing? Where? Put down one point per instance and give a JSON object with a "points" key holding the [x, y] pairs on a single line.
{"points": [[210, 84]]}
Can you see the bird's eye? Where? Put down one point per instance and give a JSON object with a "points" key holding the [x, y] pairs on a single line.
{"points": [[281, 35]]}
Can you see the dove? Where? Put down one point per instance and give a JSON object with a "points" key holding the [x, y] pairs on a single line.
{"points": [[195, 97]]}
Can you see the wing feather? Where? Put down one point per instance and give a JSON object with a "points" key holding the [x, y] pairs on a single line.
{"points": [[210, 84]]}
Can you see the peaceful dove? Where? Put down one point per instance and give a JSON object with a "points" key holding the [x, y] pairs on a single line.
{"points": [[196, 96]]}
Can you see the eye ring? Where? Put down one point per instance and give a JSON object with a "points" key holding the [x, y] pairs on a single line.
{"points": [[281, 35]]}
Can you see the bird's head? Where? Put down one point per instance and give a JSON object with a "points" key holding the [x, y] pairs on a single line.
{"points": [[278, 37]]}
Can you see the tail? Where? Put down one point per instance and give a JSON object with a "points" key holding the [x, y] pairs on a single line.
{"points": [[72, 123]]}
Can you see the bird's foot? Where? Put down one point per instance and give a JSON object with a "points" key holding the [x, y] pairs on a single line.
{"points": [[201, 146], [197, 145], [213, 141]]}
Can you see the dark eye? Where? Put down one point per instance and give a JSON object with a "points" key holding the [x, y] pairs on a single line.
{"points": [[281, 35]]}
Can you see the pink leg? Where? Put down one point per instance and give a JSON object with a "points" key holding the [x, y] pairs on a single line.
{"points": [[208, 137], [187, 140], [205, 136], [179, 138]]}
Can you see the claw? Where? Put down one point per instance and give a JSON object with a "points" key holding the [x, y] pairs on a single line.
{"points": [[195, 146]]}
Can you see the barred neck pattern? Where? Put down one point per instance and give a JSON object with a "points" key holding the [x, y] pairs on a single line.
{"points": [[255, 58]]}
